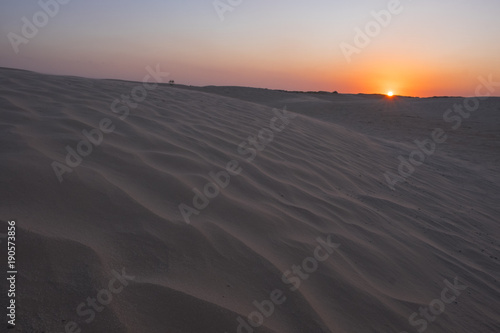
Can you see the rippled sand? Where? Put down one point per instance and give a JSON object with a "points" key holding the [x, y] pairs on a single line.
{"points": [[321, 176]]}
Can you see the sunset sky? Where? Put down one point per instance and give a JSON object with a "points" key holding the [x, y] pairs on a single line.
{"points": [[433, 47]]}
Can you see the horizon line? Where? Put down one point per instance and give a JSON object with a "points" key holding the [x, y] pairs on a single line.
{"points": [[335, 92]]}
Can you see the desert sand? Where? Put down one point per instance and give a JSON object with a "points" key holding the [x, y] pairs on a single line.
{"points": [[322, 176]]}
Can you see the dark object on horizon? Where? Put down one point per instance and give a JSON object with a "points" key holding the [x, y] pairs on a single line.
{"points": [[171, 82]]}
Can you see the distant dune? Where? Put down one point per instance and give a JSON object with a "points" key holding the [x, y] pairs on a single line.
{"points": [[107, 223]]}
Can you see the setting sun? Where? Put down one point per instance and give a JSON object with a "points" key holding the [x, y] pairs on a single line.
{"points": [[390, 94]]}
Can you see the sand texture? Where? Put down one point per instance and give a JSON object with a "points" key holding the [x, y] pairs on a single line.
{"points": [[322, 176]]}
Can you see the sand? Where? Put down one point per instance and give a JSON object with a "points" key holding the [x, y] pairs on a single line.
{"points": [[322, 176]]}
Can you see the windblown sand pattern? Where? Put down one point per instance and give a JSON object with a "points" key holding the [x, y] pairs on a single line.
{"points": [[321, 176]]}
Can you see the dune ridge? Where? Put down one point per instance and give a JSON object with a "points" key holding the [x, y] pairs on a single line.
{"points": [[321, 176]]}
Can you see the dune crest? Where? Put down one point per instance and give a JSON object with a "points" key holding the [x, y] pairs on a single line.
{"points": [[320, 176]]}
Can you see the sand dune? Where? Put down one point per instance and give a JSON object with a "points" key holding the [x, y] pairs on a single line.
{"points": [[322, 177]]}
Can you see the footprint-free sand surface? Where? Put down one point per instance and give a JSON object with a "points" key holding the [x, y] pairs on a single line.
{"points": [[104, 246]]}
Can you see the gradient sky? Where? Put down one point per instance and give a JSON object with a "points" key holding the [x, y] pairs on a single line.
{"points": [[434, 47]]}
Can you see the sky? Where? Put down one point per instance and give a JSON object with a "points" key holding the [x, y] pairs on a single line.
{"points": [[417, 48]]}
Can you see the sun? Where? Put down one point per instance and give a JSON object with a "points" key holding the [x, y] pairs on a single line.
{"points": [[390, 94]]}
